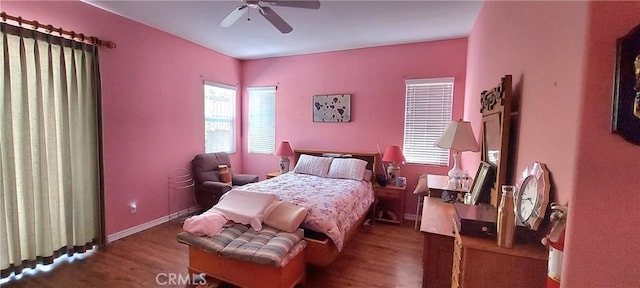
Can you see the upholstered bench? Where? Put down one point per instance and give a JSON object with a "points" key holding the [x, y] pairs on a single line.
{"points": [[242, 256]]}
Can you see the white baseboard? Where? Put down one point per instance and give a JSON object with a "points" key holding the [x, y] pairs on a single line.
{"points": [[152, 223]]}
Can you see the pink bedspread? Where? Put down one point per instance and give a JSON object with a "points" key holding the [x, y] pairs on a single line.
{"points": [[334, 204]]}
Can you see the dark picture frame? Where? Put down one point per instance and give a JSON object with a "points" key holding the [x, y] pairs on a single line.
{"points": [[482, 183], [332, 108], [626, 92]]}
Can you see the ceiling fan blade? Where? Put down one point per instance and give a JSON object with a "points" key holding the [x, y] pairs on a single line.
{"points": [[275, 19], [310, 4], [233, 16]]}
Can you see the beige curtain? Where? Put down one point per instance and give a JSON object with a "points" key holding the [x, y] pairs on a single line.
{"points": [[50, 202]]}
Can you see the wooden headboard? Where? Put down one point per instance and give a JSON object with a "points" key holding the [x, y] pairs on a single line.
{"points": [[372, 158]]}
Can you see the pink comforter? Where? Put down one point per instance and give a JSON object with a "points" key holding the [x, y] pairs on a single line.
{"points": [[334, 204]]}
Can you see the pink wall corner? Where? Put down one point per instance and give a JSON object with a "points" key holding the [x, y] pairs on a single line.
{"points": [[605, 208], [561, 56], [375, 79], [152, 105]]}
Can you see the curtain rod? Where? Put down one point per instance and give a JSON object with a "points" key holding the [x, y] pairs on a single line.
{"points": [[50, 29]]}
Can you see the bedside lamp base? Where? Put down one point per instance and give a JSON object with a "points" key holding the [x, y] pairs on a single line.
{"points": [[284, 165], [393, 171]]}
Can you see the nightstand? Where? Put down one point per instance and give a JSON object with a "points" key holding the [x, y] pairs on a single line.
{"points": [[273, 174], [391, 202]]}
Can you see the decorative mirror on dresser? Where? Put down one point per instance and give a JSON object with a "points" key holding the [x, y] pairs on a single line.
{"points": [[496, 110]]}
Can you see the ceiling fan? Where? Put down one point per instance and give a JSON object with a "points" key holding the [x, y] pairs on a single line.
{"points": [[267, 12]]}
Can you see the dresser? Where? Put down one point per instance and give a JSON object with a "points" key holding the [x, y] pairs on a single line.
{"points": [[454, 260]]}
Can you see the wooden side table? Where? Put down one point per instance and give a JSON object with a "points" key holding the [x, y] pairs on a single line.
{"points": [[388, 196], [273, 174], [437, 250], [436, 184]]}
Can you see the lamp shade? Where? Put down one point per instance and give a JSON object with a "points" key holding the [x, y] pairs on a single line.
{"points": [[393, 154], [284, 149], [459, 136]]}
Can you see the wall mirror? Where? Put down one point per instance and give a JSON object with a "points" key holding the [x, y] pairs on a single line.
{"points": [[496, 109]]}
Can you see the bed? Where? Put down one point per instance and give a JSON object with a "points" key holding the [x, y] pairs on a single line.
{"points": [[337, 207]]}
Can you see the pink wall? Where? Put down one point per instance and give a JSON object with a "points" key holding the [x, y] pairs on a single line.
{"points": [[526, 40], [152, 104], [375, 79], [607, 194], [561, 56]]}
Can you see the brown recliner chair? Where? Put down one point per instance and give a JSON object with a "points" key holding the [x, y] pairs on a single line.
{"points": [[208, 187]]}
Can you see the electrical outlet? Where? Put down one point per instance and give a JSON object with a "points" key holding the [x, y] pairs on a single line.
{"points": [[133, 208]]}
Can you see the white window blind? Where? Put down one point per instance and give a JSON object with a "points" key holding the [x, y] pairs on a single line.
{"points": [[428, 111], [262, 119], [219, 117]]}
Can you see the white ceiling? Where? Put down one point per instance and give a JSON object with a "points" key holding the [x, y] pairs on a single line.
{"points": [[337, 25]]}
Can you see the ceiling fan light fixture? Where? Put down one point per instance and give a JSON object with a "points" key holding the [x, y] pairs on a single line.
{"points": [[267, 12], [233, 16], [253, 4]]}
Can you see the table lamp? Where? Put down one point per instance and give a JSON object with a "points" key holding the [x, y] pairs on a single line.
{"points": [[284, 151], [393, 154], [458, 137]]}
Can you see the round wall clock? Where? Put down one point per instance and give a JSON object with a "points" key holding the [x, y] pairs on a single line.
{"points": [[532, 195]]}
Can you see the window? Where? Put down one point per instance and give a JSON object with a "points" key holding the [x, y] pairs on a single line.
{"points": [[262, 119], [219, 116], [428, 112]]}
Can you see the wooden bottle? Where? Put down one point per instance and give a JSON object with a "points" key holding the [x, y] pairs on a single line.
{"points": [[506, 218]]}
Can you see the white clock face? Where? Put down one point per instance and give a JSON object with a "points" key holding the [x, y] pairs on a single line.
{"points": [[529, 198], [532, 196]]}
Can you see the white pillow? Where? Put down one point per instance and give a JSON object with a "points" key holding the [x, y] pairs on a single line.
{"points": [[350, 168], [313, 165]]}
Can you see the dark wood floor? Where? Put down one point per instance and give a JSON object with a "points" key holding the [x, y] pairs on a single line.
{"points": [[380, 255]]}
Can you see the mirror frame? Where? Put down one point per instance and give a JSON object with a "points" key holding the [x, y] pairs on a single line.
{"points": [[496, 102]]}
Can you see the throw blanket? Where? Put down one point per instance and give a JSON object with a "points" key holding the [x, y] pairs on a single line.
{"points": [[209, 223], [239, 206]]}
